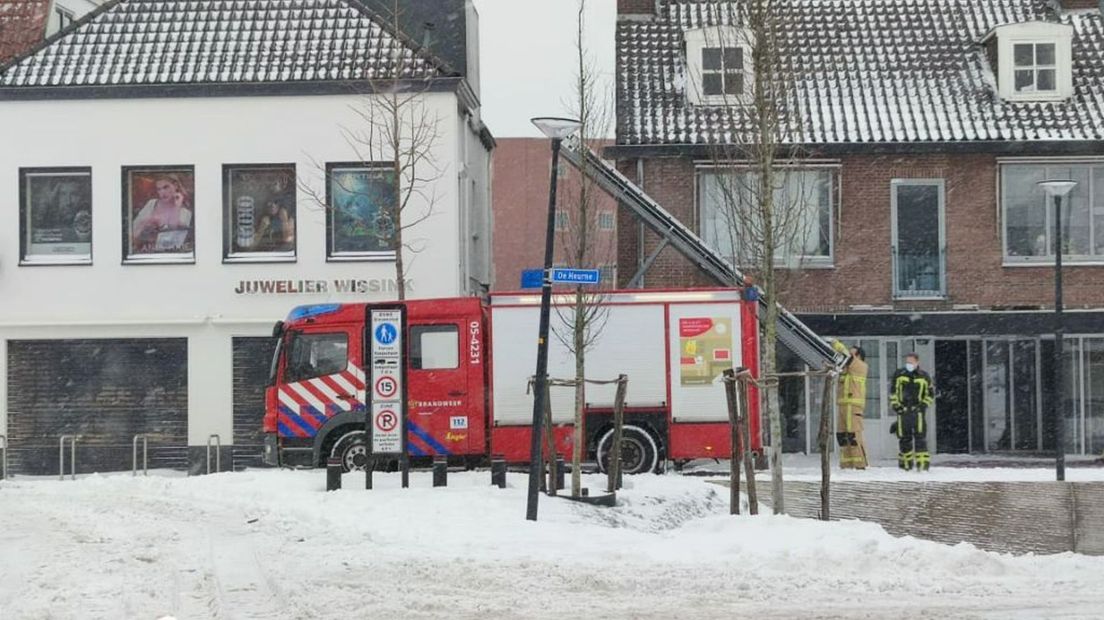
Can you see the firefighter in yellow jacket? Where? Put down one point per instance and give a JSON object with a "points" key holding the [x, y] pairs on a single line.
{"points": [[911, 392], [851, 401]]}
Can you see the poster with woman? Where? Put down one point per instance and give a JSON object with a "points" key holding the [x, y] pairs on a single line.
{"points": [[362, 217], [158, 213], [56, 215], [259, 212]]}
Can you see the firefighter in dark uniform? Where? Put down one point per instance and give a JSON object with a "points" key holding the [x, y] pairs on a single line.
{"points": [[911, 392]]}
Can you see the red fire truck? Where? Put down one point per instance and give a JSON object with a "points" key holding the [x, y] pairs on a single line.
{"points": [[469, 361]]}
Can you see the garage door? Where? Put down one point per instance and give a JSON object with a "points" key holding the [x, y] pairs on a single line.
{"points": [[104, 390], [252, 358]]}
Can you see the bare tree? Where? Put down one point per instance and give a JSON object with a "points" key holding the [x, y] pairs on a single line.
{"points": [[762, 193], [396, 133], [580, 327]]}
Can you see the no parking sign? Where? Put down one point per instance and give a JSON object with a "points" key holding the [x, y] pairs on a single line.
{"points": [[387, 423]]}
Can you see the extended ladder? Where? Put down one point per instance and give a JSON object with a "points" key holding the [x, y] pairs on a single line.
{"points": [[794, 334]]}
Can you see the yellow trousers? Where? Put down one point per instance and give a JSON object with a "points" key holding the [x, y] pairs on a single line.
{"points": [[853, 450]]}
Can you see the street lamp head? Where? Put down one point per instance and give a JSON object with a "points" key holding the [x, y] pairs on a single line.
{"points": [[556, 128], [1057, 187]]}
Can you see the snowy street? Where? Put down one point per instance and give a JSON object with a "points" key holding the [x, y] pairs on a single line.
{"points": [[267, 544]]}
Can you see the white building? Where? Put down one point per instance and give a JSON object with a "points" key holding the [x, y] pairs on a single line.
{"points": [[175, 177]]}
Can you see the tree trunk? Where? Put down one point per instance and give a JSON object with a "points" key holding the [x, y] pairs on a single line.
{"points": [[823, 443], [580, 394], [396, 163]]}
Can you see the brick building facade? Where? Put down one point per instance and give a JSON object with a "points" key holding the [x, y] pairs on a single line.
{"points": [[521, 168], [933, 234]]}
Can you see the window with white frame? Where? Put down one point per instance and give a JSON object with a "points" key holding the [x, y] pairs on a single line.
{"points": [[605, 220], [718, 65], [1033, 61], [1034, 67], [608, 274], [1028, 218], [802, 216], [563, 220], [65, 18], [722, 71]]}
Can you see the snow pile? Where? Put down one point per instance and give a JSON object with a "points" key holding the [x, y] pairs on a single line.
{"points": [[265, 544]]}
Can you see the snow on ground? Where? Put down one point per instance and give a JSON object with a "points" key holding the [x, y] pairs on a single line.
{"points": [[272, 544]]}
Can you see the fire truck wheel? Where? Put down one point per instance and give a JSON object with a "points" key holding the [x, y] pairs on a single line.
{"points": [[352, 449], [639, 453]]}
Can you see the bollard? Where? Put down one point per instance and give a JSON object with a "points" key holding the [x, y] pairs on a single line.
{"points": [[620, 478], [134, 455], [498, 472], [218, 453], [333, 473], [559, 472], [440, 471], [3, 457], [72, 456]]}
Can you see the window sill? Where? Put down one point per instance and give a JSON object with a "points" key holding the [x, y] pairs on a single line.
{"points": [[361, 258], [1050, 263], [934, 297], [42, 261], [159, 260], [260, 258]]}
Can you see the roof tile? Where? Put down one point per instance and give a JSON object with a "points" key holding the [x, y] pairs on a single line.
{"points": [[156, 42], [866, 71]]}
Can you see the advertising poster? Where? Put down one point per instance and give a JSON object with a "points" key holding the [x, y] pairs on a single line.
{"points": [[259, 210], [363, 216], [58, 214], [159, 212], [705, 349]]}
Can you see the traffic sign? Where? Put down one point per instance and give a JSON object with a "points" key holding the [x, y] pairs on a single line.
{"points": [[386, 429], [562, 275], [386, 387], [388, 411], [532, 278]]}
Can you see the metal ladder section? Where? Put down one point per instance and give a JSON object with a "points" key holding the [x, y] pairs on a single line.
{"points": [[794, 334]]}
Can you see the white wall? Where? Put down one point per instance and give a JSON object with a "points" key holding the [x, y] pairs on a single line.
{"points": [[197, 301], [206, 133], [77, 8]]}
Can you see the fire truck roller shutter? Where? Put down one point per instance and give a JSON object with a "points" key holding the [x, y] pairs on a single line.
{"points": [[252, 362], [104, 390]]}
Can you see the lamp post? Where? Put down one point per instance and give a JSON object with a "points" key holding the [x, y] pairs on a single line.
{"points": [[1057, 188], [557, 129]]}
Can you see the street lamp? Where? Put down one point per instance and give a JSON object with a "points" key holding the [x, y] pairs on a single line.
{"points": [[557, 129], [1057, 188]]}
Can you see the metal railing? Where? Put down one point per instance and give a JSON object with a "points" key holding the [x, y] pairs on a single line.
{"points": [[145, 455], [72, 456], [218, 452], [919, 275]]}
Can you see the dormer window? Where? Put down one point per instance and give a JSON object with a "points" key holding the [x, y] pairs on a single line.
{"points": [[1035, 68], [722, 71], [1032, 60], [718, 65]]}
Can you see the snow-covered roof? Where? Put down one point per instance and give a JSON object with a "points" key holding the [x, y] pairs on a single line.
{"points": [[22, 24], [178, 42], [865, 71]]}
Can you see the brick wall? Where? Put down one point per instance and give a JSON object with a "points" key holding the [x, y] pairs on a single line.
{"points": [[520, 207], [862, 272], [1079, 4], [627, 7], [670, 182]]}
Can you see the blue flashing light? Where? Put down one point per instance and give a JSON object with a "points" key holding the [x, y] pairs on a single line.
{"points": [[313, 310]]}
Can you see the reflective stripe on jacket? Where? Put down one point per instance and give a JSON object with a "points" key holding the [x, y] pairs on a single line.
{"points": [[911, 389]]}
